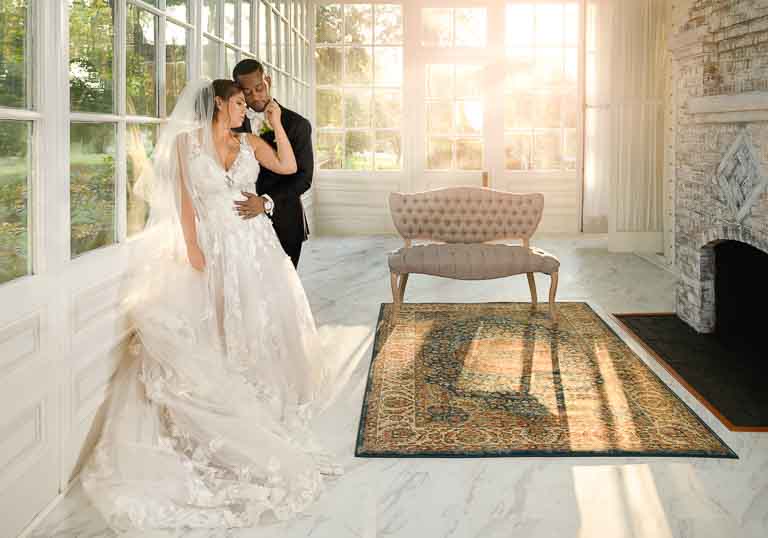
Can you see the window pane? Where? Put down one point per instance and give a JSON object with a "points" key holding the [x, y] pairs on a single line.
{"points": [[284, 85], [141, 67], [358, 23], [549, 25], [358, 65], [469, 117], [211, 16], [141, 141], [570, 151], [546, 150], [520, 25], [520, 66], [92, 186], [517, 151], [91, 37], [245, 25], [274, 37], [388, 109], [518, 111], [15, 51], [211, 50], [549, 67], [177, 8], [262, 30], [229, 21], [328, 65], [546, 110], [436, 27], [175, 64], [570, 111], [440, 81], [357, 150], [15, 138], [439, 153], [388, 150], [389, 24], [572, 24], [298, 64], [285, 35], [328, 108], [469, 79], [328, 26], [440, 117], [357, 107], [330, 149], [470, 27], [469, 154], [388, 62], [231, 60], [571, 66]]}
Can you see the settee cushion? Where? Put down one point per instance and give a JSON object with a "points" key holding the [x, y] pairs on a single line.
{"points": [[476, 261]]}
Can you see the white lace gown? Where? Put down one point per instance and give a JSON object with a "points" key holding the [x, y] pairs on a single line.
{"points": [[207, 425]]}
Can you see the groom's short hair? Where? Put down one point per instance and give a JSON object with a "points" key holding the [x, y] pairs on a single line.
{"points": [[247, 66]]}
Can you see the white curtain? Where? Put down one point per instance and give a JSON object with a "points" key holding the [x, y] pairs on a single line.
{"points": [[626, 82]]}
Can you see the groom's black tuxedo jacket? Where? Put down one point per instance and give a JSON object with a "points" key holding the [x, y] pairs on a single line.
{"points": [[288, 217]]}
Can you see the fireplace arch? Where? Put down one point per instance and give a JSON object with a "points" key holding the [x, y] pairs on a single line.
{"points": [[716, 243]]}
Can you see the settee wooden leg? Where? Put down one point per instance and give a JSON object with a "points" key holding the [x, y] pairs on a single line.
{"points": [[532, 287], [395, 296], [403, 282], [395, 288], [552, 293]]}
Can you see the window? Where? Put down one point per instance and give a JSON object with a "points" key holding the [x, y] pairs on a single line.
{"points": [[454, 117], [453, 27], [16, 137], [102, 176], [359, 74], [142, 138], [273, 33], [540, 103]]}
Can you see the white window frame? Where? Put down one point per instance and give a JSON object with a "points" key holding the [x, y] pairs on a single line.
{"points": [[340, 176], [560, 186], [37, 158]]}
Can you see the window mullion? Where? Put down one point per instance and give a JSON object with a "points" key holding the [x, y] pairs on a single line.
{"points": [[160, 67], [120, 68], [119, 58]]}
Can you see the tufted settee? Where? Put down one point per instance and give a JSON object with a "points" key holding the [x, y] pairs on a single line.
{"points": [[461, 223]]}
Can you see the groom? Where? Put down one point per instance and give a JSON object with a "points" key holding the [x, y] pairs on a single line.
{"points": [[278, 196]]}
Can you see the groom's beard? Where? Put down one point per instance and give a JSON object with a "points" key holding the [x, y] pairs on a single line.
{"points": [[260, 106]]}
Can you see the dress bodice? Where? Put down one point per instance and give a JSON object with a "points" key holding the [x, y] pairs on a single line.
{"points": [[214, 189]]}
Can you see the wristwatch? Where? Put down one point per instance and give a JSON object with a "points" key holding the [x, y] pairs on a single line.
{"points": [[269, 205]]}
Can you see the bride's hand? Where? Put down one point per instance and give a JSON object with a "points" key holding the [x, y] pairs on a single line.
{"points": [[196, 257], [272, 113]]}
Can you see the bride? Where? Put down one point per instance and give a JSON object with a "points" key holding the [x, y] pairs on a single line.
{"points": [[208, 422]]}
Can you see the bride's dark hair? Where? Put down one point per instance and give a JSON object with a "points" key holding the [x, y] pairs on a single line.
{"points": [[221, 87]]}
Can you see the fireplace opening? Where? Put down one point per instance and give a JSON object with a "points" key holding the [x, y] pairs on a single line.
{"points": [[741, 294]]}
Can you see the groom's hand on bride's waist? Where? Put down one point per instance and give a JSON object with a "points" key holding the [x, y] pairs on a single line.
{"points": [[253, 205]]}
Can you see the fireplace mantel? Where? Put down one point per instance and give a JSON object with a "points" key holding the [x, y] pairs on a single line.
{"points": [[739, 108]]}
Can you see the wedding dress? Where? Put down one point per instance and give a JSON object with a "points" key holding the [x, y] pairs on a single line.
{"points": [[208, 421]]}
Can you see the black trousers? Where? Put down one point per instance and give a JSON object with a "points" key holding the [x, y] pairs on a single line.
{"points": [[292, 249]]}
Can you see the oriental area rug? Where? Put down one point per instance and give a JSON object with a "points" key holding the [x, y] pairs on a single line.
{"points": [[503, 379]]}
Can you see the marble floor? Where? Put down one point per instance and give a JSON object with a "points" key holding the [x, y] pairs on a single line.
{"points": [[346, 280]]}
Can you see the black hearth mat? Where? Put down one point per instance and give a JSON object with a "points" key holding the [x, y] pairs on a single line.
{"points": [[729, 379]]}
